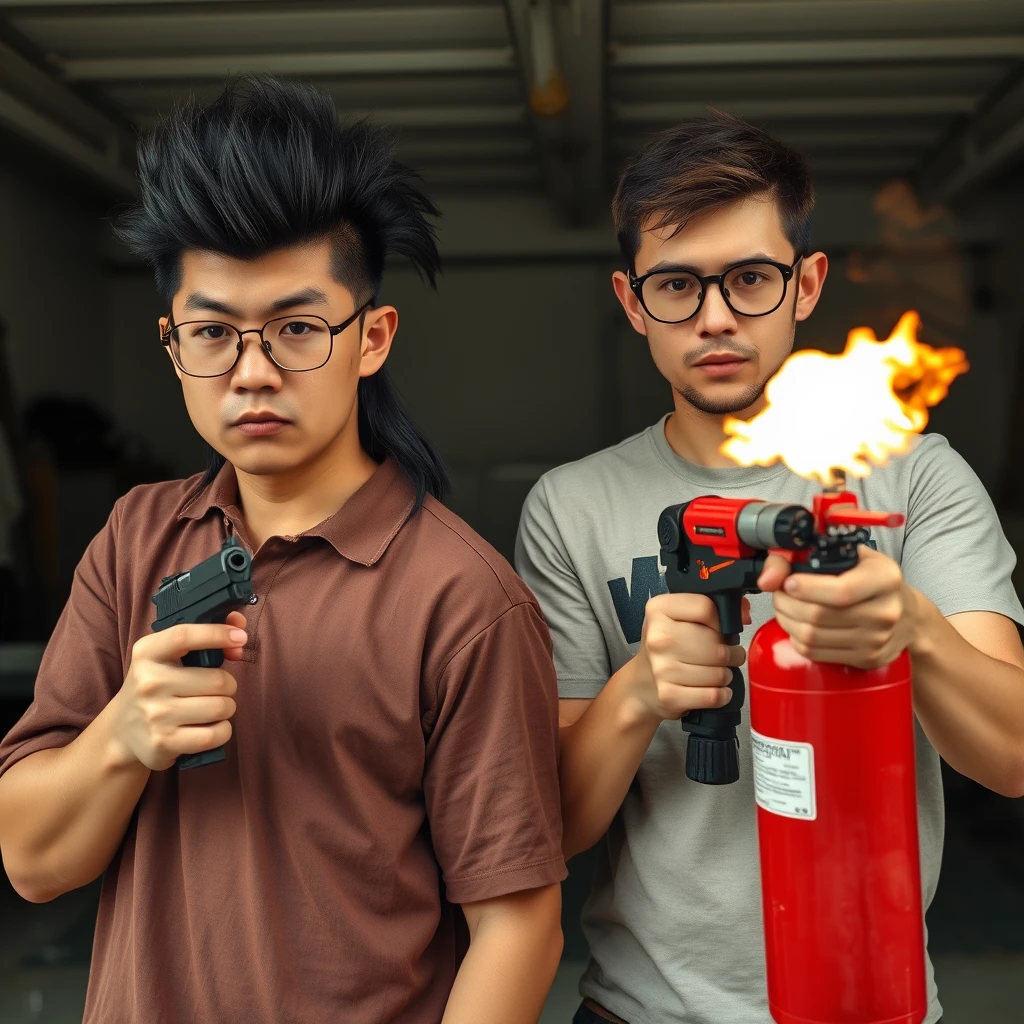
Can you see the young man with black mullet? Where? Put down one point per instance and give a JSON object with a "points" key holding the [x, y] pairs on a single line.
{"points": [[389, 714]]}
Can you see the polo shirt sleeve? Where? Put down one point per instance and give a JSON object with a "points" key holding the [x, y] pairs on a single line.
{"points": [[81, 669], [491, 777]]}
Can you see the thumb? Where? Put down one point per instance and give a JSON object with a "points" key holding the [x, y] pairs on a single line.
{"points": [[776, 569]]}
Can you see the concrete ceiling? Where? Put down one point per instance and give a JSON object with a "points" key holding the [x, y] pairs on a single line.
{"points": [[870, 89]]}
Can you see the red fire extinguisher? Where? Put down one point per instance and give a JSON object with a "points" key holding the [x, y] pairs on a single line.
{"points": [[835, 784], [834, 769]]}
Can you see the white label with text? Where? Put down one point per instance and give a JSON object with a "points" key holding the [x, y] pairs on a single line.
{"points": [[784, 777]]}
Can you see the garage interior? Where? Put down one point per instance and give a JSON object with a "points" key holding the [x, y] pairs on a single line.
{"points": [[912, 115]]}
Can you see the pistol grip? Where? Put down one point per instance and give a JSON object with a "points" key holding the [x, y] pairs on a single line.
{"points": [[202, 659], [203, 757]]}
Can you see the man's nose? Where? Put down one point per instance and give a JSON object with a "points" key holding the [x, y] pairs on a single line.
{"points": [[255, 369], [715, 316]]}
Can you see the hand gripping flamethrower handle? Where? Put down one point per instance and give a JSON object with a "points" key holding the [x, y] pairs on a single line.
{"points": [[205, 593], [717, 546]]}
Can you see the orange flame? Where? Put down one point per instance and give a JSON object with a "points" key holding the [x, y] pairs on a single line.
{"points": [[847, 412]]}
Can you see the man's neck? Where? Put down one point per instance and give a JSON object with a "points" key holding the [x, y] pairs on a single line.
{"points": [[697, 436], [287, 504]]}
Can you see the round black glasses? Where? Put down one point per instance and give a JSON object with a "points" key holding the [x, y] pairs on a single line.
{"points": [[749, 288]]}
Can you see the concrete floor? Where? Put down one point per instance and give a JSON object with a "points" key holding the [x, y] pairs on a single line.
{"points": [[976, 989], [976, 925]]}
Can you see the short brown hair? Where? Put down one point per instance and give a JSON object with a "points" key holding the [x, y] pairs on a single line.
{"points": [[704, 163]]}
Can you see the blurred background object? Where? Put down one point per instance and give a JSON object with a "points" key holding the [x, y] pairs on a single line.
{"points": [[519, 113]]}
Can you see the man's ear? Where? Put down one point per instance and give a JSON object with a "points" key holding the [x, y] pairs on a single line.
{"points": [[163, 323], [379, 326], [813, 270], [629, 302]]}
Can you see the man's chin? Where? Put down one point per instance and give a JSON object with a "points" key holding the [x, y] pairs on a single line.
{"points": [[265, 463], [722, 401]]}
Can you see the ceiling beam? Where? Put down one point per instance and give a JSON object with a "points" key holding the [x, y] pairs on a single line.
{"points": [[20, 118], [481, 116], [38, 107], [352, 62], [797, 107], [43, 4], [815, 51], [655, 19], [572, 144], [991, 139], [898, 139]]}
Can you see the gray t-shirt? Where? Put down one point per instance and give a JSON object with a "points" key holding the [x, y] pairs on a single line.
{"points": [[674, 916]]}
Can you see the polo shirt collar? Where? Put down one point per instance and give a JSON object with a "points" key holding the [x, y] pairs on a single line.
{"points": [[360, 530]]}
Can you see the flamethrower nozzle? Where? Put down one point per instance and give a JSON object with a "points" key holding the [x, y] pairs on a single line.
{"points": [[850, 515], [763, 524]]}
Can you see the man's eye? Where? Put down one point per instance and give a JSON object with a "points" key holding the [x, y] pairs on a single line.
{"points": [[750, 278], [296, 329], [213, 332], [676, 284]]}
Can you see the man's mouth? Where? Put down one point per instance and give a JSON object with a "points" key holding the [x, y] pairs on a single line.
{"points": [[720, 364], [260, 424]]}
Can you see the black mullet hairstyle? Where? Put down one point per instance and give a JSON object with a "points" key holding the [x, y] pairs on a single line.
{"points": [[267, 165]]}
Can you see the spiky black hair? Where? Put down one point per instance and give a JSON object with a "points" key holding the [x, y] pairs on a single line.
{"points": [[266, 165]]}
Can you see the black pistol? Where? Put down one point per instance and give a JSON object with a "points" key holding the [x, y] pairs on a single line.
{"points": [[205, 593]]}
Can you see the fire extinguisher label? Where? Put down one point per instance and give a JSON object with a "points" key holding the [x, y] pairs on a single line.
{"points": [[784, 777]]}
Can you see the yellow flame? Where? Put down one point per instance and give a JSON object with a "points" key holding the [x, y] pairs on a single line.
{"points": [[847, 412]]}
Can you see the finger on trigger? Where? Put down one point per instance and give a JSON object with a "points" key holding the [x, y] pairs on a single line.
{"points": [[194, 636]]}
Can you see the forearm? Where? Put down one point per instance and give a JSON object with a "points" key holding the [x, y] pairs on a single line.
{"points": [[64, 812], [600, 755], [511, 963], [970, 705]]}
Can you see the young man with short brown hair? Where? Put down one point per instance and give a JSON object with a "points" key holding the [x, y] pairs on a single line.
{"points": [[713, 218]]}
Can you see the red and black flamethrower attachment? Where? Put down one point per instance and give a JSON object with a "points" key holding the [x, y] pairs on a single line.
{"points": [[718, 546]]}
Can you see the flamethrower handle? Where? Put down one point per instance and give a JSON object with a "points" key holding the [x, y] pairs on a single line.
{"points": [[712, 749], [729, 605]]}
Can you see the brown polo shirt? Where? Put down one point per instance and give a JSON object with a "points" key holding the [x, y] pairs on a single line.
{"points": [[394, 753]]}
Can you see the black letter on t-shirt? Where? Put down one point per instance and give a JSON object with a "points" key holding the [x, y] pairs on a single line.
{"points": [[647, 581]]}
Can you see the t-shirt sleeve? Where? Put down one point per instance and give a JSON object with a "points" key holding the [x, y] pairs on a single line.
{"points": [[81, 669], [491, 777], [542, 560], [954, 550]]}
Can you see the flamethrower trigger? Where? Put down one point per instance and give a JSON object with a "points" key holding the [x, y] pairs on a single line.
{"points": [[718, 546]]}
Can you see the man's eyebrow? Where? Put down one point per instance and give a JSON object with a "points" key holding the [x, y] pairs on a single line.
{"points": [[690, 269], [306, 297], [197, 301]]}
